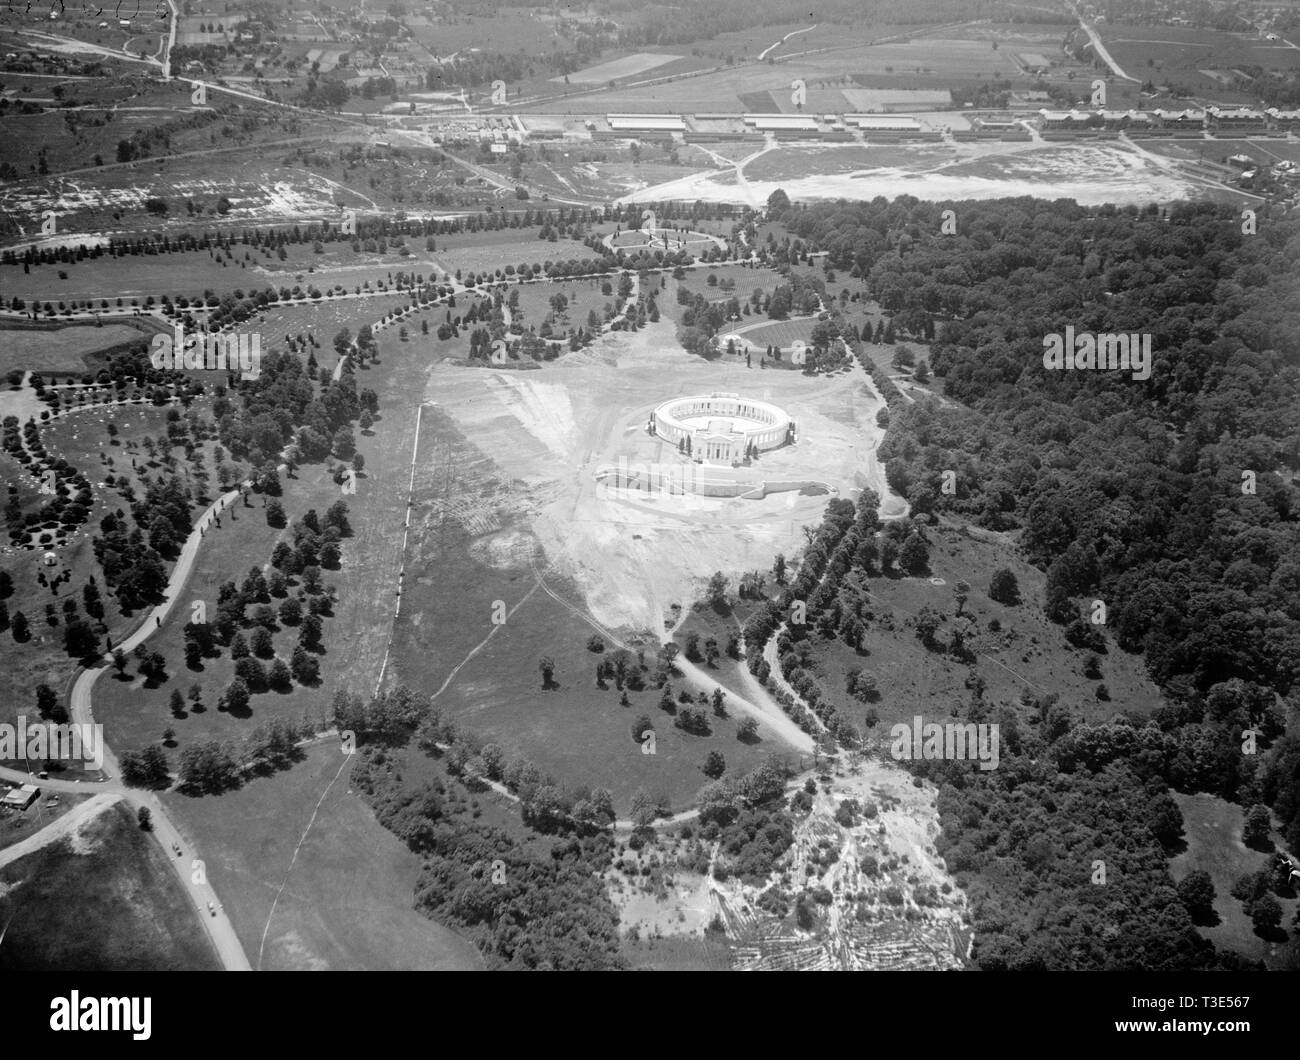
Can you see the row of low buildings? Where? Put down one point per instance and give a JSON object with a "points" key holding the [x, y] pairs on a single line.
{"points": [[504, 130], [1192, 119]]}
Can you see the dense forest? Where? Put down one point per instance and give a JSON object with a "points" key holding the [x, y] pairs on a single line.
{"points": [[1170, 499]]}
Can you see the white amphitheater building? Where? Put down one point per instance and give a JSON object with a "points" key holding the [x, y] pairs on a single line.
{"points": [[720, 428]]}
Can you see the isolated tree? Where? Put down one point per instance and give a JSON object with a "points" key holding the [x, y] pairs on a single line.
{"points": [[145, 819], [19, 629], [1196, 892], [1256, 828], [1266, 915], [275, 514], [714, 765], [277, 675], [177, 703], [914, 555], [747, 730], [304, 666], [693, 645], [1004, 588], [547, 666], [719, 703], [717, 595], [961, 593], [236, 697], [46, 701], [927, 624], [641, 726]]}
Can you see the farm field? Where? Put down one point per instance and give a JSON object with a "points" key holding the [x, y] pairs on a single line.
{"points": [[118, 880], [619, 69], [340, 901], [754, 87], [1180, 53], [1218, 150]]}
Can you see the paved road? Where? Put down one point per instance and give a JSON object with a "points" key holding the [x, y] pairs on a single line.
{"points": [[218, 926], [1100, 48], [187, 866]]}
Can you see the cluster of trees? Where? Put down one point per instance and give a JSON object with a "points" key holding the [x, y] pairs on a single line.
{"points": [[524, 905], [829, 596], [368, 231], [315, 544], [1131, 492], [69, 489], [748, 818], [1068, 870]]}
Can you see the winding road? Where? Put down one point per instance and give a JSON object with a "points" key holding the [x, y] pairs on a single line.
{"points": [[194, 882]]}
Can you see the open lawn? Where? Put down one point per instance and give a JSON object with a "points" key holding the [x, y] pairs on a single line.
{"points": [[69, 348], [345, 895], [1212, 830], [130, 912], [480, 252], [780, 333], [190, 274]]}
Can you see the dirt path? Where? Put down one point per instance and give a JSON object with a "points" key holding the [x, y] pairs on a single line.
{"points": [[67, 824]]}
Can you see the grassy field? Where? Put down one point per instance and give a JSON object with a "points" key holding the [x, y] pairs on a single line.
{"points": [[780, 333], [583, 295], [62, 349], [482, 252], [465, 552], [130, 911], [1212, 829], [191, 273], [625, 67], [1183, 55], [1028, 653], [345, 894]]}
